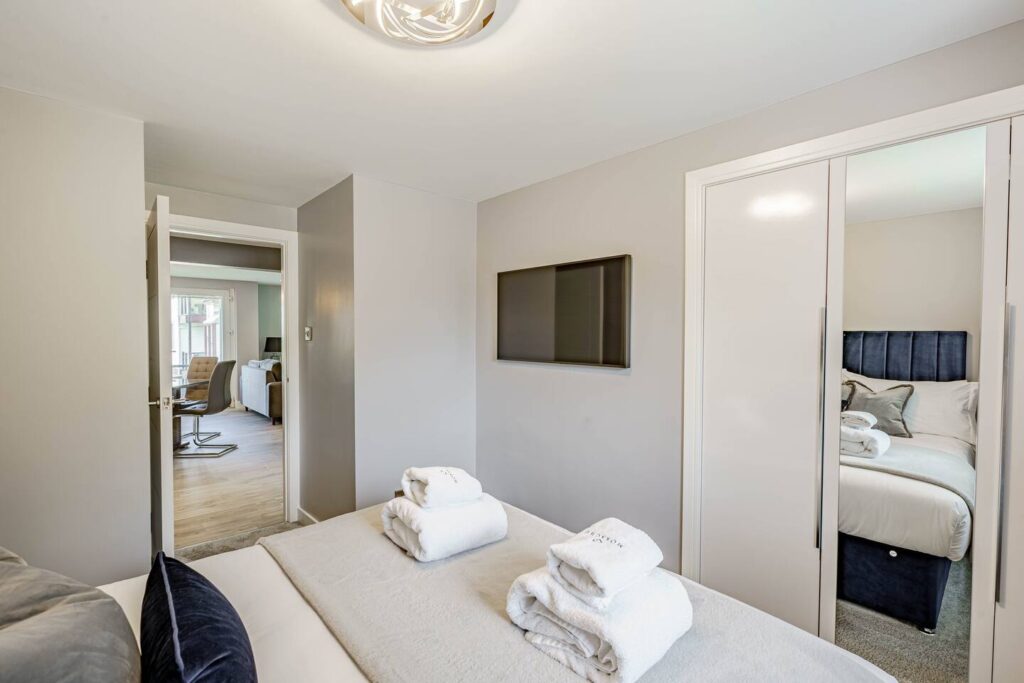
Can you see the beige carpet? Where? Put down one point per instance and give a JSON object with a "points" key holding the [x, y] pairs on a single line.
{"points": [[223, 545], [905, 652]]}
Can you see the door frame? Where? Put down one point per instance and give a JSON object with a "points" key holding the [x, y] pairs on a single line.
{"points": [[288, 242], [972, 112]]}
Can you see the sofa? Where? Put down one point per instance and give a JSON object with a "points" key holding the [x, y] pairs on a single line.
{"points": [[261, 390]]}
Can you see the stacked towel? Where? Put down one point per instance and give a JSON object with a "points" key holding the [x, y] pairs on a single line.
{"points": [[597, 563], [857, 419], [432, 487], [602, 607], [863, 443], [444, 512]]}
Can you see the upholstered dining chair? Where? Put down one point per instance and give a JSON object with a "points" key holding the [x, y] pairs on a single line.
{"points": [[200, 367], [218, 399]]}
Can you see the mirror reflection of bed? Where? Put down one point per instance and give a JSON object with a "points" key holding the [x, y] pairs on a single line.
{"points": [[912, 318]]}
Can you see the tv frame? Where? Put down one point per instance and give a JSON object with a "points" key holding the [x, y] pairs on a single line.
{"points": [[627, 314]]}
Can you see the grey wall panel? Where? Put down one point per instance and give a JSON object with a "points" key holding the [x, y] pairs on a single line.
{"points": [[326, 305]]}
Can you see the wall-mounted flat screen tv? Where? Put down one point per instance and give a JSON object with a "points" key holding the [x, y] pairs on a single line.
{"points": [[566, 313]]}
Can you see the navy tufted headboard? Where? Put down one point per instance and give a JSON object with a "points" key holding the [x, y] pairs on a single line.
{"points": [[910, 356]]}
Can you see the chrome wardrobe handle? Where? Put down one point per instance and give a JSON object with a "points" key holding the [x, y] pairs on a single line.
{"points": [[1009, 324], [820, 465]]}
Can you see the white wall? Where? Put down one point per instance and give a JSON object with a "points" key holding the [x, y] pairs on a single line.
{"points": [[188, 202], [74, 459], [415, 319], [247, 319], [575, 444], [916, 273]]}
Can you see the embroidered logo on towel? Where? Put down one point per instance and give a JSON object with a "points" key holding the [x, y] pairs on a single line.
{"points": [[451, 475], [601, 538]]}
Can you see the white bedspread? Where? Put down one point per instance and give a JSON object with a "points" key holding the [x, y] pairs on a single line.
{"points": [[289, 641], [906, 512]]}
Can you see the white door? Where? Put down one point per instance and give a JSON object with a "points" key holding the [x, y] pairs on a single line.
{"points": [[766, 245], [158, 289], [1008, 660]]}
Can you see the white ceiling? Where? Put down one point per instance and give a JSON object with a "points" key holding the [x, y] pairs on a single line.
{"points": [[206, 271], [943, 173], [277, 100]]}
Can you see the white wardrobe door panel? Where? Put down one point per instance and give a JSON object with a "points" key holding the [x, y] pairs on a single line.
{"points": [[1008, 662], [765, 276]]}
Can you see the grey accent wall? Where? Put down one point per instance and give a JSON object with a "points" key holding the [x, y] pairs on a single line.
{"points": [[216, 253], [270, 314], [74, 441], [188, 202], [389, 377], [325, 224], [574, 444]]}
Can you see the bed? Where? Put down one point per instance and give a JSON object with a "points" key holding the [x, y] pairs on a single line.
{"points": [[899, 535], [337, 601]]}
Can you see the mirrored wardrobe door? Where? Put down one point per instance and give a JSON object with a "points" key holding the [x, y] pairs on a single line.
{"points": [[910, 356], [1008, 654]]}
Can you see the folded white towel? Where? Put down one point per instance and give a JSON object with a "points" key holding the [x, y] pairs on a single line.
{"points": [[606, 557], [857, 419], [437, 533], [863, 443], [431, 487], [620, 644]]}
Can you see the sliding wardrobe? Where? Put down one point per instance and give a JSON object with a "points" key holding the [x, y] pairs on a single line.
{"points": [[1008, 653], [764, 312], [765, 371]]}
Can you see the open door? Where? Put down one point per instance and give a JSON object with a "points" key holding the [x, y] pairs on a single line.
{"points": [[158, 289]]}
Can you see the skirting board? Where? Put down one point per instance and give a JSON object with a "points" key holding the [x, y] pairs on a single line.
{"points": [[305, 519]]}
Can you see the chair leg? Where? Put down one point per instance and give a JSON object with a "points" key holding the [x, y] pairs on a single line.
{"points": [[201, 437], [199, 445]]}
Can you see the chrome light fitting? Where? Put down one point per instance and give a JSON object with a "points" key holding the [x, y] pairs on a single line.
{"points": [[424, 22]]}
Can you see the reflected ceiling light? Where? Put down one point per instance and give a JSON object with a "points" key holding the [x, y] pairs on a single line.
{"points": [[423, 22], [781, 206]]}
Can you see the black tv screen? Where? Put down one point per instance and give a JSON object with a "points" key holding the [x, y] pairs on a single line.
{"points": [[566, 313]]}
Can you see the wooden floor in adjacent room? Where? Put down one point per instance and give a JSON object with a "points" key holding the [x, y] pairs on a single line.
{"points": [[244, 490]]}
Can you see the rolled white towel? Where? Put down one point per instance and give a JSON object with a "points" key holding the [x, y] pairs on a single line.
{"points": [[619, 644], [431, 487], [857, 419], [437, 533], [602, 560], [863, 443]]}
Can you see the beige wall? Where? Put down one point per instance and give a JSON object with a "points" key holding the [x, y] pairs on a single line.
{"points": [[188, 202], [327, 480], [916, 273], [574, 444], [415, 325], [74, 441]]}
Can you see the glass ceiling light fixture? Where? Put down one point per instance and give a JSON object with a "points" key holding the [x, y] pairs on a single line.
{"points": [[424, 22]]}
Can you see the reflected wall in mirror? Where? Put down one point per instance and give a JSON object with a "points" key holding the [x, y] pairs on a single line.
{"points": [[912, 316]]}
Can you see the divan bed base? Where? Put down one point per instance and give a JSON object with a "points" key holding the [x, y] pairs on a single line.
{"points": [[904, 584]]}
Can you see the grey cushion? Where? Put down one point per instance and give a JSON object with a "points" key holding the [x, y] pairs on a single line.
{"points": [[886, 405], [845, 394], [53, 628]]}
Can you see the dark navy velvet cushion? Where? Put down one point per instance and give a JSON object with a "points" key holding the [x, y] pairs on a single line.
{"points": [[190, 632]]}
